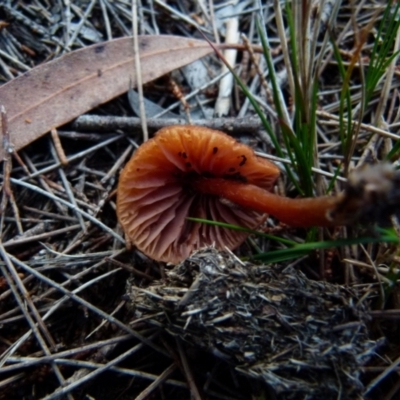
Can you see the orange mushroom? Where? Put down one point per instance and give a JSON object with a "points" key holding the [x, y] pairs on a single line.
{"points": [[189, 171], [156, 193]]}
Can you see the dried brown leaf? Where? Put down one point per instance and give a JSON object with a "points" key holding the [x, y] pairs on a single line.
{"points": [[54, 93]]}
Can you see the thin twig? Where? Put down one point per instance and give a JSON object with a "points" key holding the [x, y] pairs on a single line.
{"points": [[71, 206], [188, 373], [138, 70], [157, 382], [93, 374], [88, 305], [235, 126]]}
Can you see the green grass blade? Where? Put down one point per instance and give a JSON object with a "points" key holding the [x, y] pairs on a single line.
{"points": [[242, 229], [380, 59], [302, 249]]}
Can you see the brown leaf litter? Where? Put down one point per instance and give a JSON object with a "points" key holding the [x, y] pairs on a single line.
{"points": [[82, 79]]}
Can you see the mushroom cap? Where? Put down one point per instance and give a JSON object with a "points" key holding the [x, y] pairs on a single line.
{"points": [[155, 196]]}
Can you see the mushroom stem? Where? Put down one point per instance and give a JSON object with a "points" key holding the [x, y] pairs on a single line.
{"points": [[304, 212]]}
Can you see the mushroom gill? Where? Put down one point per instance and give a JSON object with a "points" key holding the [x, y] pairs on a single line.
{"points": [[157, 192]]}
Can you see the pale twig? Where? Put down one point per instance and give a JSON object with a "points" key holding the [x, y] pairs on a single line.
{"points": [[75, 242], [157, 382], [15, 282], [11, 379], [284, 44], [103, 322], [23, 240], [10, 316], [76, 156], [68, 190], [213, 22], [91, 375], [188, 373], [234, 126], [130, 268], [106, 20], [367, 127], [6, 70], [58, 147], [117, 19], [382, 376], [75, 260], [121, 160], [63, 211], [12, 349], [93, 365], [287, 161], [183, 17], [223, 102], [50, 214], [19, 364], [138, 70], [88, 305], [67, 17], [15, 61], [374, 269], [8, 195], [81, 23], [71, 206], [153, 18], [28, 318], [381, 280], [192, 94], [7, 293]]}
